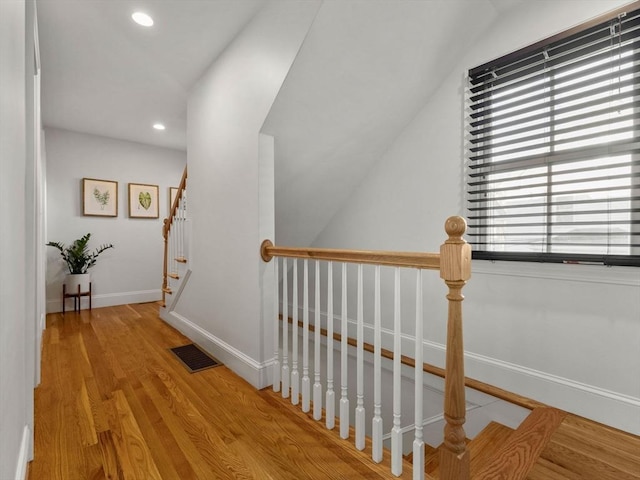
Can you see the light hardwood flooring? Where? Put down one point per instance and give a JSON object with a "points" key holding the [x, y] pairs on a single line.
{"points": [[115, 404]]}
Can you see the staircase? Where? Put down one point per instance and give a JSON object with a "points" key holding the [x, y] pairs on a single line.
{"points": [[175, 233], [548, 445]]}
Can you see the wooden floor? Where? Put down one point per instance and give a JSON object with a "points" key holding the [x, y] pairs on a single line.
{"points": [[115, 404]]}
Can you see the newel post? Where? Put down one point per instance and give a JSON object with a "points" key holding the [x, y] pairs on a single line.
{"points": [[455, 270], [165, 269]]}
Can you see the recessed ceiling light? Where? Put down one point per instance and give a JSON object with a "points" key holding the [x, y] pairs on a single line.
{"points": [[142, 19], [159, 126]]}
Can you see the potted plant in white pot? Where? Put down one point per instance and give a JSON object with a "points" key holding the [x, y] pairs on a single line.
{"points": [[79, 260]]}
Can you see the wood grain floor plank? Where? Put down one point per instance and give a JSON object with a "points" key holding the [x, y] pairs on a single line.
{"points": [[110, 460], [129, 441], [602, 435], [546, 470]]}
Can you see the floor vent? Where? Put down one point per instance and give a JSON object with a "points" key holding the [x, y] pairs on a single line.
{"points": [[193, 358]]}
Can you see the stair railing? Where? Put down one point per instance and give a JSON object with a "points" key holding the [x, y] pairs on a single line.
{"points": [[454, 264], [173, 233]]}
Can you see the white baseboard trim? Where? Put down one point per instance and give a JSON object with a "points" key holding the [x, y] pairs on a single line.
{"points": [[257, 374], [23, 455], [107, 300], [611, 408]]}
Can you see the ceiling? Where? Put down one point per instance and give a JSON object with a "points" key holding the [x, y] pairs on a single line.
{"points": [[104, 74], [365, 70]]}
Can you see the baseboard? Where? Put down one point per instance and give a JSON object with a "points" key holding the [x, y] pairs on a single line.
{"points": [[23, 455], [107, 300], [257, 374], [604, 406]]}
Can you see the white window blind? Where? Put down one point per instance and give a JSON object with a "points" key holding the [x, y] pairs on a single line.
{"points": [[554, 152]]}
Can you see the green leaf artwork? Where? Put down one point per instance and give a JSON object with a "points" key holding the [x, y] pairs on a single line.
{"points": [[101, 197], [144, 198]]}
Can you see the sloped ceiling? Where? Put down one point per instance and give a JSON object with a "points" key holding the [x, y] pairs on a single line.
{"points": [[364, 71], [105, 75]]}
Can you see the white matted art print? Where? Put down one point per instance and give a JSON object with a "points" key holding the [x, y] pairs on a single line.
{"points": [[99, 197], [143, 201]]}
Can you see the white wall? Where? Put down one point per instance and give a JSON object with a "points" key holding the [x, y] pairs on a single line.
{"points": [[17, 329], [132, 271], [565, 335], [221, 304]]}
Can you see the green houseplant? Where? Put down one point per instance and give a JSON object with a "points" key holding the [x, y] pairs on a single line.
{"points": [[79, 259], [77, 255]]}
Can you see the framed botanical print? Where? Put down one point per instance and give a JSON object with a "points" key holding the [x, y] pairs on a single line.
{"points": [[143, 201], [99, 197]]}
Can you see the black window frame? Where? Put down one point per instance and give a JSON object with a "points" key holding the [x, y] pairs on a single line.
{"points": [[544, 61]]}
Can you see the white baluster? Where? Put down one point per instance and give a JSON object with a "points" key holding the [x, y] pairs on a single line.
{"points": [[317, 387], [171, 260], [360, 413], [344, 399], [418, 442], [330, 400], [286, 376], [174, 235], [179, 228], [376, 427], [295, 375], [276, 329], [184, 223], [396, 433], [306, 382]]}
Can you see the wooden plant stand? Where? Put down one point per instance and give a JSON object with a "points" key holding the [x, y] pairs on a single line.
{"points": [[77, 297]]}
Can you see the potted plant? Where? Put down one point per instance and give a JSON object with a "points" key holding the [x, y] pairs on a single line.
{"points": [[79, 260]]}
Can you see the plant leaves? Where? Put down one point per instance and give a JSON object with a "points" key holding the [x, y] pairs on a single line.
{"points": [[145, 200]]}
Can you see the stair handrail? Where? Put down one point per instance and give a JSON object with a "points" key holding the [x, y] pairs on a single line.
{"points": [[454, 263], [166, 228]]}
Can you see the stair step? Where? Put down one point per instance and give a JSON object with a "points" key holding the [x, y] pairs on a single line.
{"points": [[485, 444], [181, 260], [175, 276], [577, 452], [515, 458], [431, 459], [546, 470]]}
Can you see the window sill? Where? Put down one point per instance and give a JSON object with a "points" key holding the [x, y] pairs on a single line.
{"points": [[557, 271]]}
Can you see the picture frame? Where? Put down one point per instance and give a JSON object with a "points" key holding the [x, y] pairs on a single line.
{"points": [[143, 201], [173, 192], [99, 197]]}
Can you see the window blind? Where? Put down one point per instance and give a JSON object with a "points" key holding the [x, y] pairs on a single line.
{"points": [[553, 166]]}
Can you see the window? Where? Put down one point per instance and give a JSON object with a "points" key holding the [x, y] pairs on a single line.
{"points": [[553, 169]]}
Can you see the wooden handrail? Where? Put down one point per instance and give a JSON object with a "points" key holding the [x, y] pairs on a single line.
{"points": [[454, 264], [166, 228], [430, 261], [174, 207]]}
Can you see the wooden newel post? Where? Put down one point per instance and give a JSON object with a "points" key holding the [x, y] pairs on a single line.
{"points": [[165, 235], [455, 270]]}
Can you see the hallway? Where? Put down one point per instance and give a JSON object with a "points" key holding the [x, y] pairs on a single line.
{"points": [[114, 403]]}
